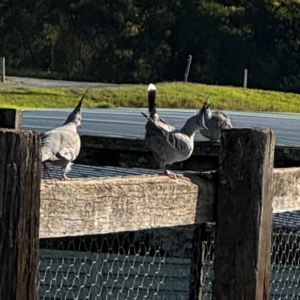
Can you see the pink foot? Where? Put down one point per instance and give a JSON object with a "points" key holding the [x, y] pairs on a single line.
{"points": [[64, 177], [170, 174]]}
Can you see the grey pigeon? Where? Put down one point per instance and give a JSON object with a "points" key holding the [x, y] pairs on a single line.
{"points": [[61, 146], [168, 144], [213, 122]]}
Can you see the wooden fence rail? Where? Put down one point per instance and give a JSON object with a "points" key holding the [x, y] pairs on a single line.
{"points": [[114, 204]]}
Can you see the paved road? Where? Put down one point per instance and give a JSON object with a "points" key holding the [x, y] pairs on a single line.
{"points": [[130, 122], [25, 82]]}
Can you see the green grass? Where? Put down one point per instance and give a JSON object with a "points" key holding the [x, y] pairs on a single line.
{"points": [[172, 95]]}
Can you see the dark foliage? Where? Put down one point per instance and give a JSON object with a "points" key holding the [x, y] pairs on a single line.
{"points": [[142, 41]]}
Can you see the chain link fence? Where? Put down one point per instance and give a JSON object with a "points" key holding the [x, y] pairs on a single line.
{"points": [[285, 277], [155, 264], [149, 264]]}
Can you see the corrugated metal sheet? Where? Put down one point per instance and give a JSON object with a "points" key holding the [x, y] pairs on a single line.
{"points": [[288, 219], [85, 171]]}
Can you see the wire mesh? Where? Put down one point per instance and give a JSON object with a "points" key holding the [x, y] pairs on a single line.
{"points": [[285, 258], [208, 257], [155, 263], [285, 276], [152, 264]]}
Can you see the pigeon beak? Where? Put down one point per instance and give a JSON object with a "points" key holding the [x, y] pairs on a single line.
{"points": [[202, 123]]}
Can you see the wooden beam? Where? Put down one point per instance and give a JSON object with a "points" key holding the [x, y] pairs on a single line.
{"points": [[96, 202], [242, 263], [19, 213], [98, 206], [286, 190], [10, 118]]}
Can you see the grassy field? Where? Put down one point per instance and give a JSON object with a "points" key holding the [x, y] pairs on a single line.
{"points": [[173, 95]]}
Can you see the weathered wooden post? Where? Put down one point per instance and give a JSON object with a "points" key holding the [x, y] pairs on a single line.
{"points": [[187, 68], [245, 78], [19, 213], [2, 68], [244, 215], [10, 118]]}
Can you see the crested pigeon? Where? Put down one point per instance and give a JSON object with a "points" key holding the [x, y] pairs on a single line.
{"points": [[168, 144], [213, 122], [61, 146]]}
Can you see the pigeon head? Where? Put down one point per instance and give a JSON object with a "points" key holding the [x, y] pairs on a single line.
{"points": [[205, 114], [75, 115]]}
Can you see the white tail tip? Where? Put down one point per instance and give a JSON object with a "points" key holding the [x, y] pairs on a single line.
{"points": [[151, 87]]}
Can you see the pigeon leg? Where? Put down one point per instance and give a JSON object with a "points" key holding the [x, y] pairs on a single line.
{"points": [[46, 170], [170, 174], [167, 172], [64, 177]]}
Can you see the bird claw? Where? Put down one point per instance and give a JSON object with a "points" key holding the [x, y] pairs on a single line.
{"points": [[170, 174], [167, 172], [64, 177]]}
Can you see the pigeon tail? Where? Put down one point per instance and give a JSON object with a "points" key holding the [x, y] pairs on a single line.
{"points": [[67, 168], [151, 99], [144, 115]]}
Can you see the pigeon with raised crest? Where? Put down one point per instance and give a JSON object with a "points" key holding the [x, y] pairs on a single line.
{"points": [[61, 146], [168, 144], [214, 122]]}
